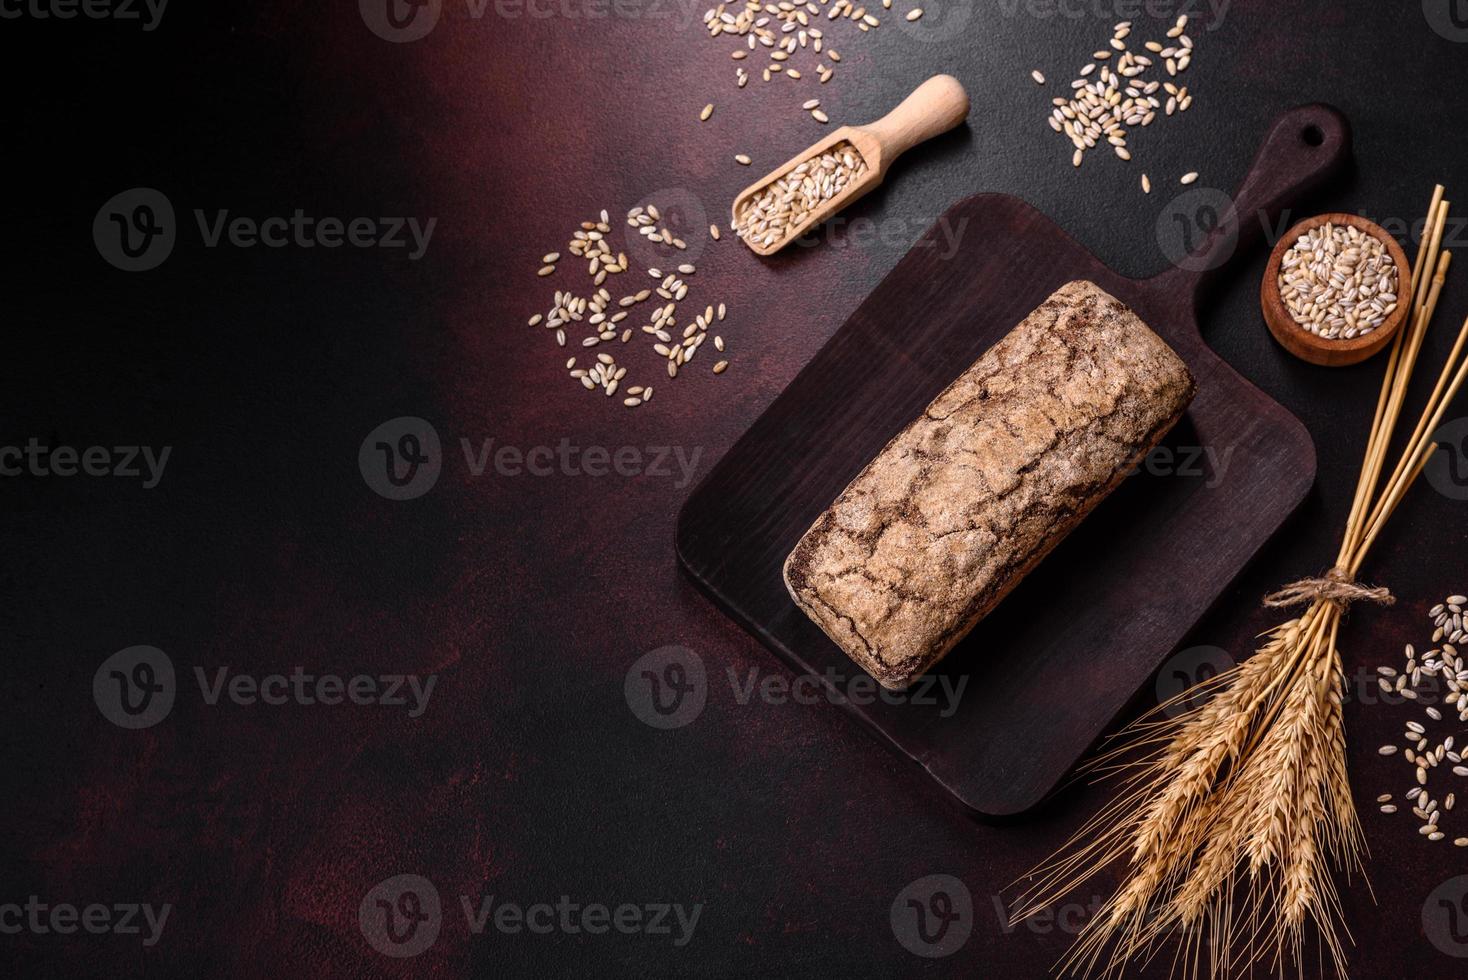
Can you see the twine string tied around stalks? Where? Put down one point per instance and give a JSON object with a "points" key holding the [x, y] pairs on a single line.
{"points": [[1335, 587]]}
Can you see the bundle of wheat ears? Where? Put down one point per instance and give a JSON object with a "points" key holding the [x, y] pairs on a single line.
{"points": [[1233, 817]]}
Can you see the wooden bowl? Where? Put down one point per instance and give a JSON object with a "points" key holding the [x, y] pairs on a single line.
{"points": [[1312, 347]]}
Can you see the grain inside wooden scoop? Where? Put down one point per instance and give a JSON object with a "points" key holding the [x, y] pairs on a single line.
{"points": [[783, 205], [970, 496]]}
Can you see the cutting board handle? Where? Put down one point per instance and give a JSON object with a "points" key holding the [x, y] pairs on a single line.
{"points": [[1304, 147]]}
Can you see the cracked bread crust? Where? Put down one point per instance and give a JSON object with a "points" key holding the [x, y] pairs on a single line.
{"points": [[1004, 463]]}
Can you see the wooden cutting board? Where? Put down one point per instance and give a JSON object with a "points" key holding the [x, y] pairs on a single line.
{"points": [[1047, 672]]}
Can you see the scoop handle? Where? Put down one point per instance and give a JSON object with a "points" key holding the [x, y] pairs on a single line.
{"points": [[934, 107]]}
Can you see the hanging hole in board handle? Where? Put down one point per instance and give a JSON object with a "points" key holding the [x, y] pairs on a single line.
{"points": [[1304, 147]]}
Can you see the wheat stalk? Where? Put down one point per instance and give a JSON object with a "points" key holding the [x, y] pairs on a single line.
{"points": [[1232, 817]]}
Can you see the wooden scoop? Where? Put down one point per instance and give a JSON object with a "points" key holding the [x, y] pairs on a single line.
{"points": [[934, 107]]}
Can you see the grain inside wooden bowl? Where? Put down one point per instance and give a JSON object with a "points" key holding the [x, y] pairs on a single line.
{"points": [[1313, 347]]}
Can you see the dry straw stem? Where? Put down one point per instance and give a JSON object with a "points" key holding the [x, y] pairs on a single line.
{"points": [[1232, 818]]}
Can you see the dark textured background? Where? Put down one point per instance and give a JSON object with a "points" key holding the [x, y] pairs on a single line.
{"points": [[528, 777]]}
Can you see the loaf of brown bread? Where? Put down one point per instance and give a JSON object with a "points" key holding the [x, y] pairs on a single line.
{"points": [[948, 518]]}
